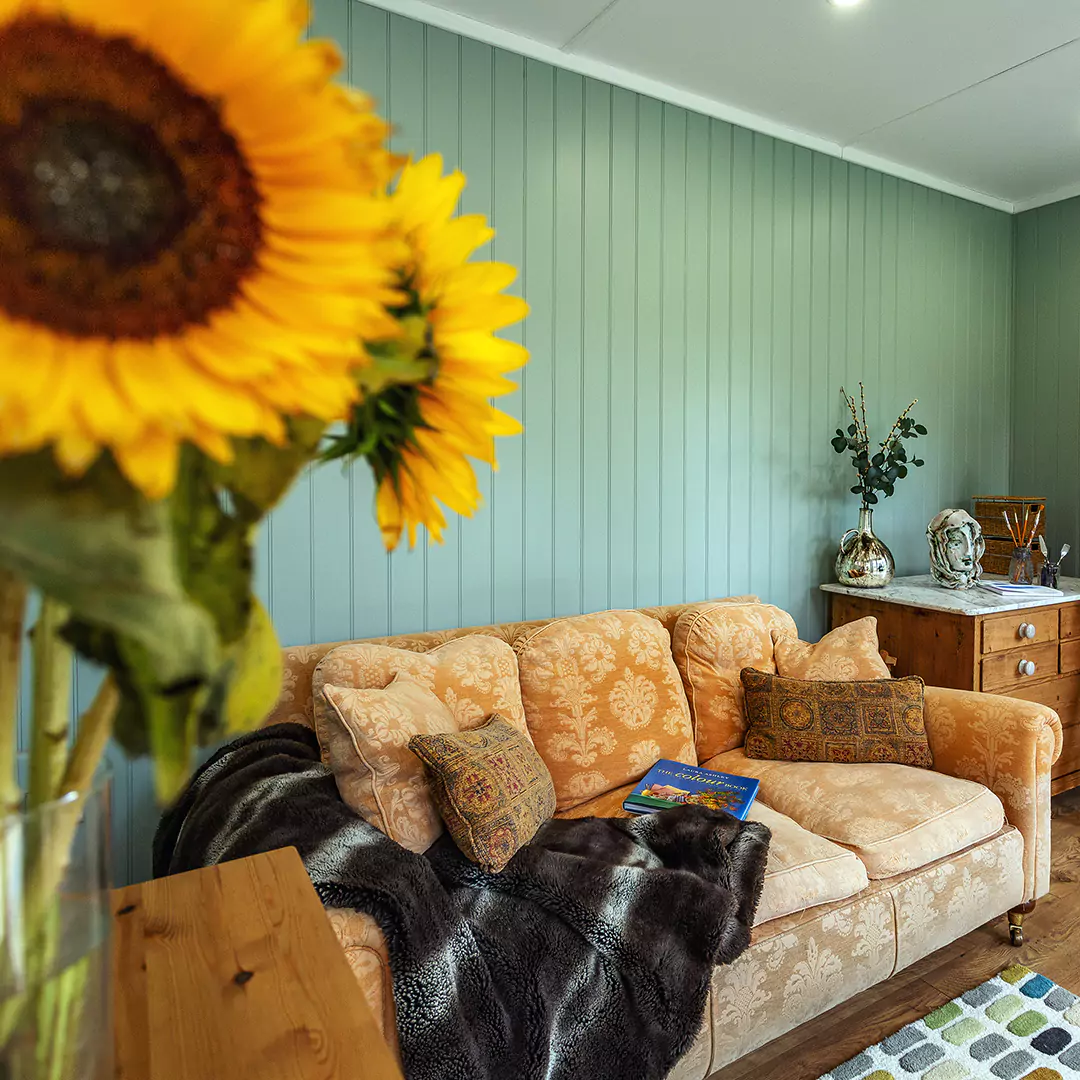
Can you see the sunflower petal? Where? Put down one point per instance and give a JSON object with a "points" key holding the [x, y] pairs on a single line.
{"points": [[151, 463]]}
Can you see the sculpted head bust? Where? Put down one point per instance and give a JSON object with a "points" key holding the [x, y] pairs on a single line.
{"points": [[956, 549]]}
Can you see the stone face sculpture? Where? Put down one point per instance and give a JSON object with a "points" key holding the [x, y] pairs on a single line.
{"points": [[956, 549]]}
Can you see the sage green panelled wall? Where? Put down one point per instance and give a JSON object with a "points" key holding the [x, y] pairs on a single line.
{"points": [[699, 293], [1046, 397]]}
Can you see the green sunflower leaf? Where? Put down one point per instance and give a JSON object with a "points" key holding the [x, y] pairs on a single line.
{"points": [[108, 554]]}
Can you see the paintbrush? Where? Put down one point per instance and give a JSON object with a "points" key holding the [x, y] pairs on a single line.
{"points": [[1009, 525], [1035, 527]]}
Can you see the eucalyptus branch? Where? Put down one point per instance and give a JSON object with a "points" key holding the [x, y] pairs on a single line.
{"points": [[878, 470], [52, 658], [12, 609], [899, 421], [849, 400]]}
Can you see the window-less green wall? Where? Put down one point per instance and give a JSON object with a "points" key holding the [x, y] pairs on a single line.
{"points": [[1046, 370], [699, 293]]}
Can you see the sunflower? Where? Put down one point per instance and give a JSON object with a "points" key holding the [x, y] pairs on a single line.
{"points": [[418, 433], [193, 230]]}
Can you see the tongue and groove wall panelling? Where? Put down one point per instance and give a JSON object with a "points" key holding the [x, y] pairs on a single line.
{"points": [[699, 293]]}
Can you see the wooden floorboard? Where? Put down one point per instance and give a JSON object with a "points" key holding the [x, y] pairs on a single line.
{"points": [[1052, 946]]}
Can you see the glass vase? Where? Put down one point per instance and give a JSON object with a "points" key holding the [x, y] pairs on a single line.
{"points": [[55, 964], [863, 560], [1021, 567]]}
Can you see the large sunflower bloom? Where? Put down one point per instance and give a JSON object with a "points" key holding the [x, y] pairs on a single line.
{"points": [[191, 230], [430, 429]]}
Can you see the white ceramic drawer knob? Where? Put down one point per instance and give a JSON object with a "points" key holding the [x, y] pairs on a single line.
{"points": [[1027, 630], [1026, 667]]}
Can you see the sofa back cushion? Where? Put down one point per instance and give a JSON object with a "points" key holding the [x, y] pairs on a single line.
{"points": [[475, 676], [603, 701], [850, 652], [295, 704], [711, 644]]}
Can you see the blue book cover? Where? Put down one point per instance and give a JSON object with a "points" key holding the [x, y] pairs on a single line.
{"points": [[670, 783]]}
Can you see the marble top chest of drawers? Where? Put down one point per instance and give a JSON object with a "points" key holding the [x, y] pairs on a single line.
{"points": [[976, 640]]}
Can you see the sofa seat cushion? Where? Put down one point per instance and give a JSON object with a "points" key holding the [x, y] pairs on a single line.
{"points": [[893, 817], [803, 870]]}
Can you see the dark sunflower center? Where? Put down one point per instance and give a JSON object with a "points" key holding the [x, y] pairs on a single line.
{"points": [[126, 207], [93, 183]]}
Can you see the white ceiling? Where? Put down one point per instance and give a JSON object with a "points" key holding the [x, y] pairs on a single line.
{"points": [[978, 97]]}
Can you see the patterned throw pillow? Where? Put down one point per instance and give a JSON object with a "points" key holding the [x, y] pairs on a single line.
{"points": [[878, 720], [711, 644], [603, 701], [493, 789], [364, 736], [846, 653]]}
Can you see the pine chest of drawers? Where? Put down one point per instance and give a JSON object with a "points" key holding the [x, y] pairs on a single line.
{"points": [[975, 640]]}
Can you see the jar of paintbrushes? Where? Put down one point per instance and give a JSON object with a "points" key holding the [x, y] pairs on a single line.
{"points": [[1021, 564]]}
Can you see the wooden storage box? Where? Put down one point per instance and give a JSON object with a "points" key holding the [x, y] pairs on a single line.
{"points": [[988, 511]]}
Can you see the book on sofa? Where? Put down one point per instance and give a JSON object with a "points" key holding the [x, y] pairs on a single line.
{"points": [[669, 783]]}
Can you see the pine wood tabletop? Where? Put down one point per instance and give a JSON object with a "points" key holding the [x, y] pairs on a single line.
{"points": [[234, 972]]}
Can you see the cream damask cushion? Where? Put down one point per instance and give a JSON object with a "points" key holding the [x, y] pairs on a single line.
{"points": [[804, 870], [364, 736], [847, 654], [711, 644], [475, 676], [603, 701], [894, 817]]}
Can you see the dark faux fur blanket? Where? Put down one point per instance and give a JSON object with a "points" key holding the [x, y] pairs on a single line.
{"points": [[588, 956]]}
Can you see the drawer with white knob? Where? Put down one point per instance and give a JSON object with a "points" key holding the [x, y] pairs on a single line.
{"points": [[1019, 628], [1017, 666]]}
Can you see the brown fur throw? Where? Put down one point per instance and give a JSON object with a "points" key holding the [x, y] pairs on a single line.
{"points": [[589, 955]]}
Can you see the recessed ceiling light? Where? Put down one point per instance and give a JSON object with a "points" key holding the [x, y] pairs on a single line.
{"points": [[844, 3]]}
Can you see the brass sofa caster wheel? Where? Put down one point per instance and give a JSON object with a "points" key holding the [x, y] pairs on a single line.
{"points": [[1016, 922]]}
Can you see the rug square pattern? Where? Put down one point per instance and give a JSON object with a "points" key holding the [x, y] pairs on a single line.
{"points": [[1019, 1025]]}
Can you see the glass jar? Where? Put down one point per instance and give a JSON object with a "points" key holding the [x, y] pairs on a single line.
{"points": [[55, 977], [1021, 567]]}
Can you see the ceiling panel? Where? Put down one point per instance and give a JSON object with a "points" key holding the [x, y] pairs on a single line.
{"points": [[1016, 136], [833, 72], [554, 22]]}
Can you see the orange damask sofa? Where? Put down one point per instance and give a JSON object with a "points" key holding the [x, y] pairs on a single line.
{"points": [[871, 866]]}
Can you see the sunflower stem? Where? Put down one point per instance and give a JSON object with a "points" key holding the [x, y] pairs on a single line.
{"points": [[12, 609], [47, 860], [95, 727], [52, 658]]}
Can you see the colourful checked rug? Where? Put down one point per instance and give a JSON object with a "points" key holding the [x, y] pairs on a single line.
{"points": [[1017, 1026]]}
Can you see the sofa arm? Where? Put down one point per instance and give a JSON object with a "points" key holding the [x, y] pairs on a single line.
{"points": [[1008, 745], [366, 952]]}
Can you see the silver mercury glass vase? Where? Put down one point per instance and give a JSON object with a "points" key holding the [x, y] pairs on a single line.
{"points": [[863, 560]]}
